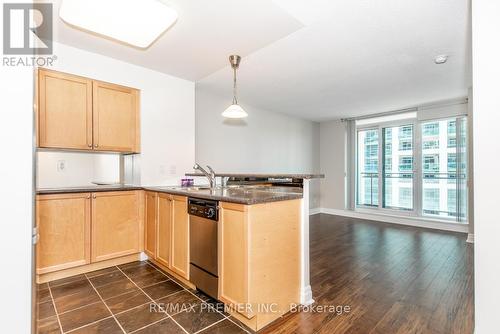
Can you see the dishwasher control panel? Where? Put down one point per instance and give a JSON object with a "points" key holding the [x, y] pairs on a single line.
{"points": [[203, 208]]}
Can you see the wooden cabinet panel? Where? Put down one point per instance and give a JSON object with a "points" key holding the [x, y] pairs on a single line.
{"points": [[233, 248], [180, 236], [115, 117], [115, 224], [151, 222], [65, 111], [164, 234], [63, 223]]}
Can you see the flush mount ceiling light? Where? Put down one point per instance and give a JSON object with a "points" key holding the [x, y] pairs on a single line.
{"points": [[234, 110], [135, 22], [441, 59]]}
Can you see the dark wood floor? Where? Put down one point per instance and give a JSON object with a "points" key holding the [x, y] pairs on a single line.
{"points": [[395, 279]]}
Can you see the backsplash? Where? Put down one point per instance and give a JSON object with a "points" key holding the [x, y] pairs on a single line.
{"points": [[70, 169]]}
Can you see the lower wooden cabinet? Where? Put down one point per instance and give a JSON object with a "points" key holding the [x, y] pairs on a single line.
{"points": [[82, 228], [259, 260], [115, 224], [180, 236], [167, 231], [164, 245], [63, 223], [150, 223]]}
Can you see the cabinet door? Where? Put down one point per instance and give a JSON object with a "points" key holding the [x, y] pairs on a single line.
{"points": [[180, 236], [64, 111], [116, 118], [164, 234], [63, 223], [233, 257], [151, 216], [115, 224]]}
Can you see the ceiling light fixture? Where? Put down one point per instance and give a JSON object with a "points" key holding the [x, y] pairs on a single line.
{"points": [[441, 59], [234, 110], [135, 22]]}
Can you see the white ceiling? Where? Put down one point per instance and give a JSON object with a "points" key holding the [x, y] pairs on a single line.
{"points": [[357, 57], [316, 59], [201, 40]]}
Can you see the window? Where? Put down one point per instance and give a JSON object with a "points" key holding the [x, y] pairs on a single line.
{"points": [[405, 145], [430, 144], [367, 162], [430, 129], [431, 201], [390, 183], [405, 164], [452, 162], [431, 163]]}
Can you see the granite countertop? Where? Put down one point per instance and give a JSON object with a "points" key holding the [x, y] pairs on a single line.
{"points": [[85, 189], [264, 175], [241, 194]]}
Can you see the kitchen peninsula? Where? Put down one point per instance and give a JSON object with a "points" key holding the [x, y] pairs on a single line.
{"points": [[259, 238]]}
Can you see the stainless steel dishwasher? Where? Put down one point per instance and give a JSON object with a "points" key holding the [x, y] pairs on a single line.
{"points": [[204, 268]]}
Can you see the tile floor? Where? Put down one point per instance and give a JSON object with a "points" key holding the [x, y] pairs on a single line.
{"points": [[132, 298]]}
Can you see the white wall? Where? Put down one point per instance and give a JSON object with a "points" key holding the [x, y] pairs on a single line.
{"points": [[332, 161], [167, 111], [16, 204], [264, 142], [81, 169], [486, 52]]}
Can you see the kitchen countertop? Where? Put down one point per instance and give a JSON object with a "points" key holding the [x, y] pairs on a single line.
{"points": [[243, 194], [264, 175], [87, 189]]}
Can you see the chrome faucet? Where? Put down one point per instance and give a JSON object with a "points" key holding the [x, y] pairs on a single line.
{"points": [[209, 175]]}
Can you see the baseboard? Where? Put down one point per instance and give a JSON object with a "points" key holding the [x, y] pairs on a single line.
{"points": [[306, 297], [409, 221], [314, 211], [470, 238]]}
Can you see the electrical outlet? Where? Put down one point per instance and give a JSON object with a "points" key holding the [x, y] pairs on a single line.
{"points": [[173, 169], [61, 165], [162, 170]]}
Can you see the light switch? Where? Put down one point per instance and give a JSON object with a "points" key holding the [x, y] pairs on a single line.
{"points": [[61, 165]]}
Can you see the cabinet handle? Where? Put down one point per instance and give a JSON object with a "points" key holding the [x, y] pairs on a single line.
{"points": [[88, 197], [96, 146], [90, 145], [93, 196]]}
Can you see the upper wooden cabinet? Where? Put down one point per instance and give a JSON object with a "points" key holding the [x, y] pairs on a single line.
{"points": [[85, 114], [64, 111], [63, 223], [116, 118]]}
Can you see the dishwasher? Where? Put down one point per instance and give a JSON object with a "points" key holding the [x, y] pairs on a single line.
{"points": [[204, 269]]}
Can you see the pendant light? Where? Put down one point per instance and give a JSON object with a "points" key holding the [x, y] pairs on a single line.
{"points": [[234, 110]]}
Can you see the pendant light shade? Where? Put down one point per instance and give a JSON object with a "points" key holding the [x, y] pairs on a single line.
{"points": [[234, 110]]}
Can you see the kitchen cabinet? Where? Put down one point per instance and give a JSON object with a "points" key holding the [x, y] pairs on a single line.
{"points": [[150, 224], [259, 259], [115, 118], [63, 223], [64, 111], [164, 235], [116, 229], [180, 236], [84, 114]]}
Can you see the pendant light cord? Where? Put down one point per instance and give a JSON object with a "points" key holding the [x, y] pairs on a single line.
{"points": [[235, 100]]}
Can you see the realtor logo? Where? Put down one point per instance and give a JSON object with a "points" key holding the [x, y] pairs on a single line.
{"points": [[27, 28]]}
